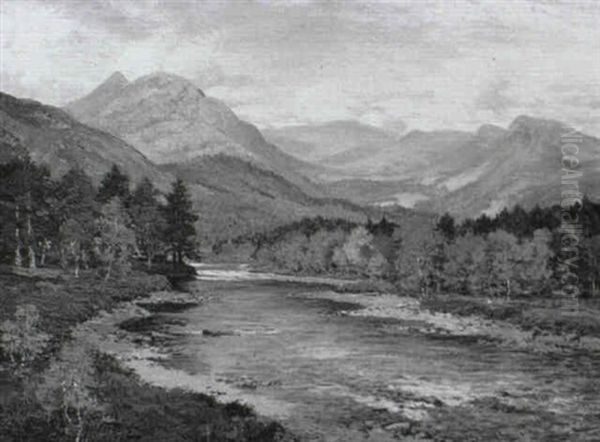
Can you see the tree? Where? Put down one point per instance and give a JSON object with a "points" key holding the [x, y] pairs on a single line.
{"points": [[464, 269], [115, 241], [446, 226], [76, 198], [532, 270], [74, 243], [114, 184], [22, 339], [590, 265], [180, 232], [25, 190], [358, 250], [77, 212], [148, 224], [68, 385]]}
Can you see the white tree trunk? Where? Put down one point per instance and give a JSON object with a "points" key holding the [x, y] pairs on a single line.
{"points": [[32, 264], [18, 258]]}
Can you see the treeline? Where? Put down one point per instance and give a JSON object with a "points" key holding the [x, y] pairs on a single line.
{"points": [[517, 252], [323, 246], [552, 249], [71, 223]]}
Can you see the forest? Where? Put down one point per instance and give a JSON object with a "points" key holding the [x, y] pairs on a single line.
{"points": [[72, 224], [517, 252]]}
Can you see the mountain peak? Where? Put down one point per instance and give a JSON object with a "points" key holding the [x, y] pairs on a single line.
{"points": [[99, 97], [490, 131], [525, 122], [117, 78], [164, 80]]}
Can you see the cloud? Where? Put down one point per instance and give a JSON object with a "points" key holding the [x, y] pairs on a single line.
{"points": [[495, 98], [427, 64]]}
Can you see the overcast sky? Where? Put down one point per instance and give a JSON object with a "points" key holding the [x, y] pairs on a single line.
{"points": [[427, 65]]}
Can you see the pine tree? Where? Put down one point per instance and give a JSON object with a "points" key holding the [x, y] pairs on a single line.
{"points": [[114, 184], [446, 226], [180, 233]]}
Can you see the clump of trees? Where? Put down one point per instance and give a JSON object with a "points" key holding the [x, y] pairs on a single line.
{"points": [[516, 253], [22, 339], [68, 222], [325, 246]]}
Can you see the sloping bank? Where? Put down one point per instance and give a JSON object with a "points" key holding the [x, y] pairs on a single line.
{"points": [[78, 390], [537, 325]]}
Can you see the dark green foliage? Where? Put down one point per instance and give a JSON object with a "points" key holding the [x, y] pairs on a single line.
{"points": [[76, 195], [65, 222], [26, 217], [180, 233], [148, 222], [77, 211], [446, 226], [523, 223], [114, 184]]}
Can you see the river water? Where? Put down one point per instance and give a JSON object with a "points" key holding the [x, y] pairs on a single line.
{"points": [[294, 353]]}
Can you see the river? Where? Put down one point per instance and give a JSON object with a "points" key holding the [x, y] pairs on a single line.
{"points": [[295, 352]]}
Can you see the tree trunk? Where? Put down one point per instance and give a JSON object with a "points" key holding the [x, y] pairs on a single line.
{"points": [[108, 270], [18, 258], [79, 426], [30, 240], [43, 254]]}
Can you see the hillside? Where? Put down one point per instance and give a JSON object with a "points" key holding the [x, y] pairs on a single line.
{"points": [[53, 137], [235, 197]]}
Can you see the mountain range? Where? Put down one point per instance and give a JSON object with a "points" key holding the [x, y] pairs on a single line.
{"points": [[235, 192], [465, 173], [162, 125]]}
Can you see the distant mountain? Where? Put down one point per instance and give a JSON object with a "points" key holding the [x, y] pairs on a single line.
{"points": [[53, 137], [470, 173], [332, 144], [526, 168], [170, 120]]}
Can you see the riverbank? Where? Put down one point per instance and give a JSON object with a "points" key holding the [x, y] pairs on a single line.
{"points": [[366, 366], [80, 316], [535, 325]]}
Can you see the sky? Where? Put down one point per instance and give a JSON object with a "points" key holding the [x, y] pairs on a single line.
{"points": [[451, 64]]}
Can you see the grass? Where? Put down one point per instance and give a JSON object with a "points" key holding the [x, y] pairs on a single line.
{"points": [[65, 301], [132, 410], [541, 315]]}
